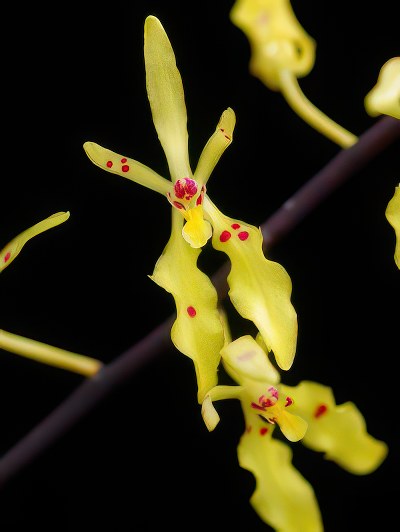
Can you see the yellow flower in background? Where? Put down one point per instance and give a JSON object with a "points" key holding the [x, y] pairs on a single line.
{"points": [[384, 97], [260, 289], [32, 349], [282, 52], [392, 214], [283, 498]]}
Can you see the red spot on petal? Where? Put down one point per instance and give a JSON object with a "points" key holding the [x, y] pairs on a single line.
{"points": [[320, 411], [225, 236], [109, 164], [125, 168], [243, 235], [263, 431], [123, 161], [191, 311], [235, 226], [257, 407], [289, 401], [7, 256], [178, 205]]}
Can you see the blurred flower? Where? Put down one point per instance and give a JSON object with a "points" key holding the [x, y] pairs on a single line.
{"points": [[26, 347], [260, 289], [283, 497], [393, 217], [384, 97], [281, 52]]}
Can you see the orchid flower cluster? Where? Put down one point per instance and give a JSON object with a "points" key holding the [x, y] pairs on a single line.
{"points": [[260, 291]]}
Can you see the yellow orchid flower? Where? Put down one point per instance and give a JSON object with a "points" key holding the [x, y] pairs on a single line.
{"points": [[392, 214], [281, 52], [283, 498], [384, 97], [32, 349], [260, 289]]}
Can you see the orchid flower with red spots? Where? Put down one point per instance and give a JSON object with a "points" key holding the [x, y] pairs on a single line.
{"points": [[392, 214], [283, 498], [27, 347], [260, 289], [282, 52]]}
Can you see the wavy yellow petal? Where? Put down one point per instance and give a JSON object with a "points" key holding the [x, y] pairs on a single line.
{"points": [[126, 167], [215, 146], [197, 331], [283, 498], [166, 96], [13, 248], [392, 214], [260, 289], [384, 97], [339, 431]]}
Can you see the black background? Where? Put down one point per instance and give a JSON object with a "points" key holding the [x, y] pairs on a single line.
{"points": [[143, 460]]}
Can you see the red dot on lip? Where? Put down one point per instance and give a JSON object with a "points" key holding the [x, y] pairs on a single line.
{"points": [[125, 168], [263, 431], [235, 226], [7, 256], [243, 235], [191, 311], [224, 236], [124, 160], [109, 164], [320, 410]]}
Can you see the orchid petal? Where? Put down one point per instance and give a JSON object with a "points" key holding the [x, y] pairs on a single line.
{"points": [[245, 359], [126, 167], [197, 331], [384, 97], [339, 431], [215, 146], [196, 230], [166, 96], [210, 415], [283, 498], [13, 248], [392, 214], [260, 289]]}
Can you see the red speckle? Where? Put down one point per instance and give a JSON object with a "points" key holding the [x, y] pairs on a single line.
{"points": [[185, 188], [123, 161], [109, 164], [248, 429], [7, 256], [191, 311], [243, 235], [235, 226], [320, 411], [199, 200], [225, 236], [125, 168], [178, 205], [257, 407], [263, 431], [289, 401]]}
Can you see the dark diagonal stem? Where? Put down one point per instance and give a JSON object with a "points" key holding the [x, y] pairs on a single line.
{"points": [[87, 395]]}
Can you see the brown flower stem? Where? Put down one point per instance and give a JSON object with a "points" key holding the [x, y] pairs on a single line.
{"points": [[88, 394]]}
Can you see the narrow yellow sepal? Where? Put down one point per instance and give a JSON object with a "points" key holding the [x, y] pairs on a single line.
{"points": [[13, 248], [197, 331], [339, 431], [260, 289], [384, 97], [392, 214]]}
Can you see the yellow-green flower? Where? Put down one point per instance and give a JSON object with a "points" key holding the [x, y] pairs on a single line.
{"points": [[393, 217], [282, 52], [283, 497], [384, 97], [260, 289], [26, 347]]}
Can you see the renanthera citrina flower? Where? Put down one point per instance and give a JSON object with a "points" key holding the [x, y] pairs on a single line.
{"points": [[392, 214], [282, 52], [283, 498], [26, 347], [260, 289], [384, 97]]}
